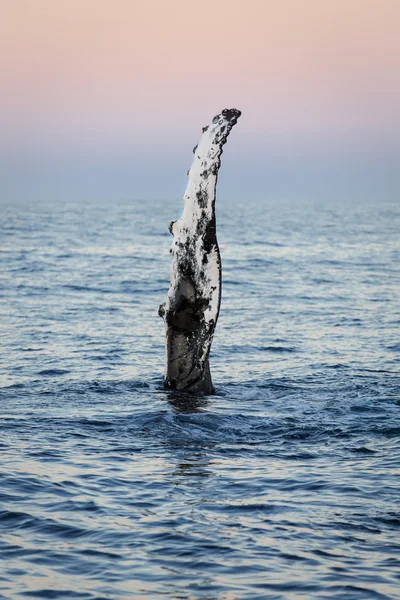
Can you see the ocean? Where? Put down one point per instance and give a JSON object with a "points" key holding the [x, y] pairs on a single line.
{"points": [[284, 485]]}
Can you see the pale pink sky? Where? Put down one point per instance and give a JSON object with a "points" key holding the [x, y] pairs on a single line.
{"points": [[107, 97], [80, 72]]}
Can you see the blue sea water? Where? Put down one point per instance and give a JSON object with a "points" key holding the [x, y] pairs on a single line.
{"points": [[285, 485]]}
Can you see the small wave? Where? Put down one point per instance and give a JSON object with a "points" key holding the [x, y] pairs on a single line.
{"points": [[85, 288], [394, 347], [278, 349], [53, 372]]}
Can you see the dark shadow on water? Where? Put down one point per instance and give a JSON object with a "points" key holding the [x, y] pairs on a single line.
{"points": [[196, 465], [184, 403]]}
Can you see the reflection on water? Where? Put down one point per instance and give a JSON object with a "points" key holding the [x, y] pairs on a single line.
{"points": [[197, 466], [183, 403]]}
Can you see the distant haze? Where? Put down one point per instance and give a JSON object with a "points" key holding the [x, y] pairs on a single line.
{"points": [[106, 98]]}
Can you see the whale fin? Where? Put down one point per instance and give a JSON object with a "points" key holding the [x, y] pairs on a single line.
{"points": [[193, 301]]}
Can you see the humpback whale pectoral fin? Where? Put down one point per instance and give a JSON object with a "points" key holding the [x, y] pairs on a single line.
{"points": [[193, 301]]}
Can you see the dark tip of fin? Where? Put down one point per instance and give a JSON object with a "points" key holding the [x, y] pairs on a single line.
{"points": [[231, 114]]}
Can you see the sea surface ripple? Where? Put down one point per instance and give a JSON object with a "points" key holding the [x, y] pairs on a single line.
{"points": [[285, 485]]}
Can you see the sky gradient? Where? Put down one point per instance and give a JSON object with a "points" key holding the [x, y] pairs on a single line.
{"points": [[114, 91]]}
